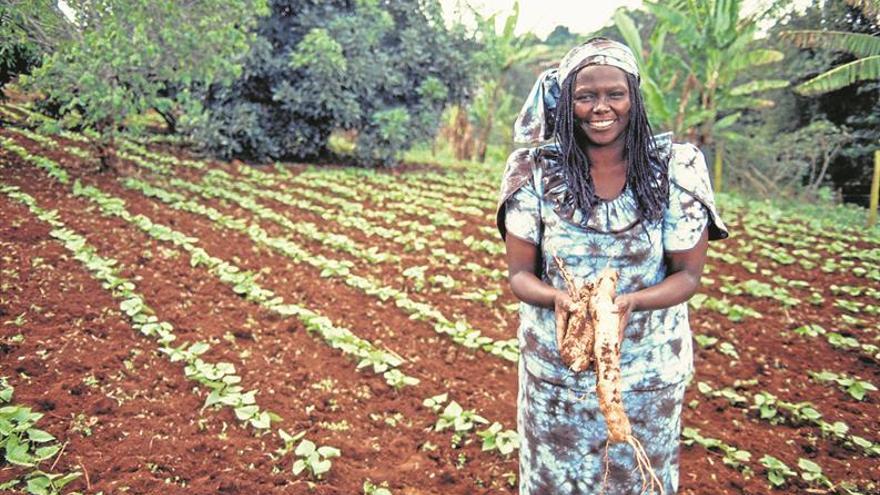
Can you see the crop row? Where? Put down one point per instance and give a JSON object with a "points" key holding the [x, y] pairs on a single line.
{"points": [[242, 282], [777, 472], [114, 206], [774, 410], [219, 378]]}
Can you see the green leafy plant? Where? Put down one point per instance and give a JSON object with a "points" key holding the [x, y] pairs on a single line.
{"points": [[496, 438], [812, 473], [24, 445], [457, 418], [777, 471], [855, 387], [314, 459], [733, 456], [371, 488]]}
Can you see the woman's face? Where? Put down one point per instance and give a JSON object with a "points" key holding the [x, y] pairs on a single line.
{"points": [[601, 103]]}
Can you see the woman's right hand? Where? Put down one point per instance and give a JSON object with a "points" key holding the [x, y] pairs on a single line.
{"points": [[563, 307]]}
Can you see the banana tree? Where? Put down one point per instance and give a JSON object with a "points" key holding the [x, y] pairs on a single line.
{"points": [[864, 68], [502, 51], [696, 93]]}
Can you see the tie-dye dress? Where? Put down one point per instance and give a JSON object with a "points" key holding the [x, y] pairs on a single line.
{"points": [[561, 430]]}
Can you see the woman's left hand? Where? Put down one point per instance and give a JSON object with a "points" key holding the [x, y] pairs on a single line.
{"points": [[624, 305]]}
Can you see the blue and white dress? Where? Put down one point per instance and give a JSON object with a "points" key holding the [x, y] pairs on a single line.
{"points": [[561, 429]]}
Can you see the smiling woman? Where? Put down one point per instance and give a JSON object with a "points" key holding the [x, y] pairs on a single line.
{"points": [[604, 194]]}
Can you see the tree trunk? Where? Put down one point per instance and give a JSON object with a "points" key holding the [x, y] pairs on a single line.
{"points": [[719, 165], [826, 162], [106, 145], [487, 128], [462, 135], [484, 140], [170, 120], [875, 191]]}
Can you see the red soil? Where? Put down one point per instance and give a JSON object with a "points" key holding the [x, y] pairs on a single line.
{"points": [[149, 427]]}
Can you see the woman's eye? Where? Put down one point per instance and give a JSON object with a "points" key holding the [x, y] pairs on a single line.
{"points": [[617, 95]]}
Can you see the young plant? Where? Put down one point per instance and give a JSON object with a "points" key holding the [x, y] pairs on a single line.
{"points": [[456, 417], [812, 473], [314, 459], [371, 488], [855, 387], [494, 438], [777, 471]]}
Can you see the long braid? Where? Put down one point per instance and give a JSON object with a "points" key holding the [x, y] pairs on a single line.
{"points": [[572, 154], [646, 172]]}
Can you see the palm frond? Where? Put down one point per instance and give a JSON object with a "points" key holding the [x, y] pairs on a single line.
{"points": [[734, 103], [758, 86], [863, 69], [754, 58], [860, 45]]}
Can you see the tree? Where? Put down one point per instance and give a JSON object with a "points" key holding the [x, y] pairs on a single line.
{"points": [[381, 70], [865, 47], [690, 87], [24, 30], [119, 58], [855, 106], [562, 36], [499, 53]]}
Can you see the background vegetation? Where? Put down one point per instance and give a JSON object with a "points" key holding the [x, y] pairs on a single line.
{"points": [[785, 102]]}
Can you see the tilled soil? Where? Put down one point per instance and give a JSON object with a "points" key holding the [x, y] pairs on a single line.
{"points": [[129, 418]]}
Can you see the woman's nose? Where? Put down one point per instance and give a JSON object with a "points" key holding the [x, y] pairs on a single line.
{"points": [[601, 105]]}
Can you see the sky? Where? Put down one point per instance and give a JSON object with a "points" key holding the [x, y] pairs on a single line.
{"points": [[580, 16]]}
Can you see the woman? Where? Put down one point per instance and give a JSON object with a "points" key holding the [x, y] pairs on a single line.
{"points": [[606, 193]]}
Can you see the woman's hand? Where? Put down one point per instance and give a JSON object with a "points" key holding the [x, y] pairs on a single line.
{"points": [[563, 307], [624, 304]]}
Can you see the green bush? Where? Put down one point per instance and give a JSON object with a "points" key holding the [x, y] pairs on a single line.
{"points": [[382, 71]]}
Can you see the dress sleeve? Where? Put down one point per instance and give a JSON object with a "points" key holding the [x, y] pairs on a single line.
{"points": [[691, 201], [517, 175], [684, 220], [523, 215]]}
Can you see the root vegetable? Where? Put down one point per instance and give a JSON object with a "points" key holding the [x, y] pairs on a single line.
{"points": [[601, 330], [577, 341]]}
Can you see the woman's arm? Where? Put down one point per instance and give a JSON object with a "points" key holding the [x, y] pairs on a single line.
{"points": [[522, 266], [683, 270]]}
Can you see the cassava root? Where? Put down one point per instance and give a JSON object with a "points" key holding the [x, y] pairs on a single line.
{"points": [[593, 335]]}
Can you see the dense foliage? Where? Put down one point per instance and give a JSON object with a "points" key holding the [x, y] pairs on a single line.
{"points": [[19, 52], [119, 59], [838, 128], [382, 70], [698, 52]]}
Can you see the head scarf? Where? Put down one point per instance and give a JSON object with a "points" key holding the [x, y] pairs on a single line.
{"points": [[537, 118]]}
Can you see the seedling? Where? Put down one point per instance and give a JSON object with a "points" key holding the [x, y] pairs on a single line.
{"points": [[505, 441], [454, 416], [855, 387], [733, 457], [314, 459], [777, 471], [812, 473], [372, 489]]}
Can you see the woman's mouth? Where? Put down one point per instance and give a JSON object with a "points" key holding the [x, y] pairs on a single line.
{"points": [[600, 125]]}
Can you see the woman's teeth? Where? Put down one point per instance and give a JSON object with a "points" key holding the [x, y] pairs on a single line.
{"points": [[601, 124]]}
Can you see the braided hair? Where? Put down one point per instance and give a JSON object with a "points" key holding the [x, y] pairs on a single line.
{"points": [[640, 152]]}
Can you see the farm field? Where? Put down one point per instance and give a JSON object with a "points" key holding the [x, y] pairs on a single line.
{"points": [[185, 326]]}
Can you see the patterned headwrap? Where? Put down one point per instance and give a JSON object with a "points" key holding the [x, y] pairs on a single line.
{"points": [[538, 115]]}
